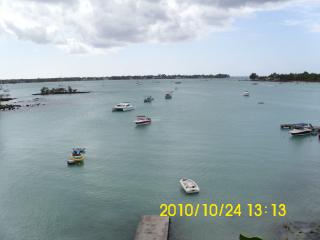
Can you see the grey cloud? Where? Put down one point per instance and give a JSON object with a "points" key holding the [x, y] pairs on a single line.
{"points": [[84, 25], [233, 3], [35, 34], [52, 1]]}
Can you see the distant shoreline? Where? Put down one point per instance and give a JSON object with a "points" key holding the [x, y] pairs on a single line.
{"points": [[129, 77]]}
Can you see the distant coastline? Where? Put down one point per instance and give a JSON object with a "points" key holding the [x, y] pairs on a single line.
{"points": [[274, 77], [125, 77], [291, 77]]}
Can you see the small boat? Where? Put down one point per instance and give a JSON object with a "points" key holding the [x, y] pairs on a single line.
{"points": [[189, 186], [142, 120], [246, 94], [178, 82], [122, 107], [168, 96], [148, 99], [76, 158], [307, 130]]}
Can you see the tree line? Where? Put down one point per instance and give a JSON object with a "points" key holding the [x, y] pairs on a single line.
{"points": [[291, 77]]}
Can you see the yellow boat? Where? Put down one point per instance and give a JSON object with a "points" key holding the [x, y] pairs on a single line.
{"points": [[76, 157]]}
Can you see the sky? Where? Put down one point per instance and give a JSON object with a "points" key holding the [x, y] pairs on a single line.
{"points": [[65, 38]]}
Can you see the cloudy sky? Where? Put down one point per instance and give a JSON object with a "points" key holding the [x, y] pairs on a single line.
{"points": [[53, 38]]}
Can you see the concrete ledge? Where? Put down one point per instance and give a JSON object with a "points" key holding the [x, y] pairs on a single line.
{"points": [[152, 227]]}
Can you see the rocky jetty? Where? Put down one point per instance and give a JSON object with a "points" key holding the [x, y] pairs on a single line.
{"points": [[300, 231], [60, 90], [9, 106]]}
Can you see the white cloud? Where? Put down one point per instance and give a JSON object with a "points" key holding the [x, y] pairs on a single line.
{"points": [[80, 26], [315, 27], [305, 15]]}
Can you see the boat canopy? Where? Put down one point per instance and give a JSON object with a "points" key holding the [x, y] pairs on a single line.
{"points": [[301, 124], [76, 152]]}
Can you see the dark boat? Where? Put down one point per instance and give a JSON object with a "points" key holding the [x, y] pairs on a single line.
{"points": [[168, 96], [148, 99]]}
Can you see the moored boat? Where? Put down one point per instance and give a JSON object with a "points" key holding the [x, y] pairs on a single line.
{"points": [[142, 120], [246, 94], [122, 107], [189, 186], [300, 131]]}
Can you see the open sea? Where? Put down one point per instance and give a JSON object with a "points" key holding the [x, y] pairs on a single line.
{"points": [[229, 144]]}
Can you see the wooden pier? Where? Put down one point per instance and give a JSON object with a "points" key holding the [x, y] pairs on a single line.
{"points": [[152, 227]]}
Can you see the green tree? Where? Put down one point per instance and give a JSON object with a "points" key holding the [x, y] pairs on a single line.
{"points": [[253, 76], [44, 90]]}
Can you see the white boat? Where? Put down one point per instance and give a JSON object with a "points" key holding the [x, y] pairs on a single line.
{"points": [[122, 107], [189, 186], [307, 130], [246, 94], [142, 120]]}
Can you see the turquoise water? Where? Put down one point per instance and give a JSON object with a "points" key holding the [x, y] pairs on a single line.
{"points": [[232, 146]]}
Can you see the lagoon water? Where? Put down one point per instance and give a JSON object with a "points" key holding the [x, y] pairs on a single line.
{"points": [[231, 145]]}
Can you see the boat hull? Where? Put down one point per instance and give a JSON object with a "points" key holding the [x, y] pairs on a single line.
{"points": [[71, 162], [79, 158], [142, 123], [301, 132], [122, 109]]}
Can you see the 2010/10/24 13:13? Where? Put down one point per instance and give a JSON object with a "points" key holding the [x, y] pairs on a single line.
{"points": [[223, 210]]}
